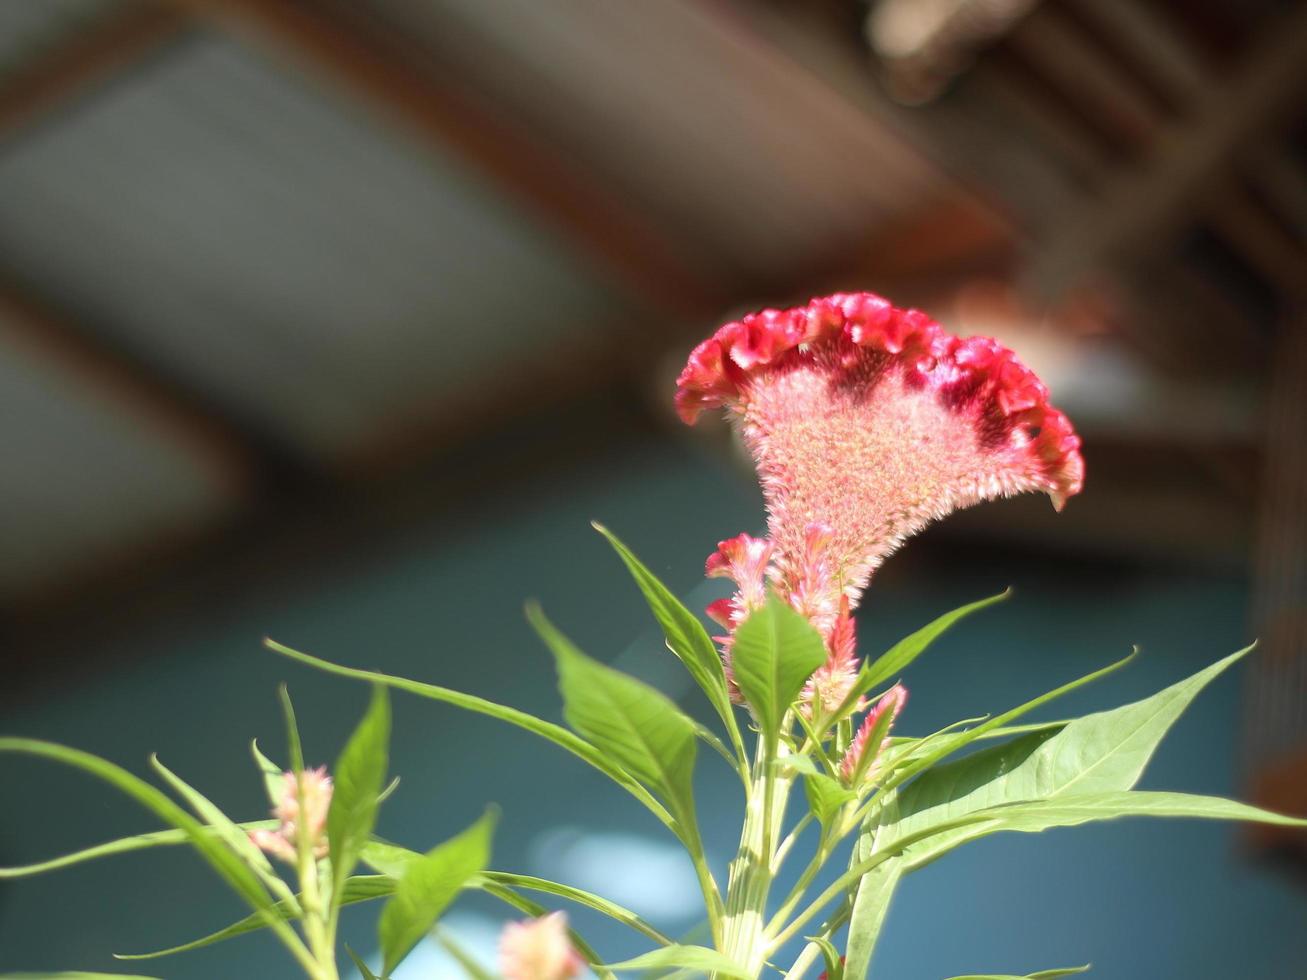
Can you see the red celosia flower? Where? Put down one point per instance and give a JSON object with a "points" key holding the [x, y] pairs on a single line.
{"points": [[867, 422]]}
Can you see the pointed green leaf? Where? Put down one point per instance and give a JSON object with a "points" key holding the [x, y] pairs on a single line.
{"points": [[637, 726], [471, 967], [427, 887], [225, 829], [826, 797], [557, 734], [580, 897], [685, 634], [896, 659], [123, 845], [293, 747], [273, 780], [359, 965], [688, 957], [834, 961], [230, 867], [1077, 808], [1041, 975], [359, 888], [357, 779], [1102, 752], [774, 653], [391, 859], [871, 901]]}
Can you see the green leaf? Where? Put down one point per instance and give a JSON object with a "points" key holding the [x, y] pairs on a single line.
{"points": [[535, 910], [557, 734], [637, 726], [427, 887], [73, 975], [580, 897], [834, 962], [226, 830], [293, 746], [359, 965], [872, 892], [688, 957], [273, 779], [219, 857], [391, 859], [1078, 808], [871, 902], [685, 634], [826, 797], [1102, 752], [359, 888], [471, 967], [357, 779], [896, 659], [774, 653], [1041, 975], [123, 845]]}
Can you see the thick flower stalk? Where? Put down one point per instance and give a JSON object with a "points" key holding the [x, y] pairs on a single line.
{"points": [[866, 422], [539, 949], [302, 809]]}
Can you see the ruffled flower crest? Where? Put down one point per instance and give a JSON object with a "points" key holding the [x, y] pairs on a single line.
{"points": [[868, 422]]}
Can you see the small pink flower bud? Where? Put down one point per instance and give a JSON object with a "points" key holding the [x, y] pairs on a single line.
{"points": [[892, 701], [301, 808], [538, 949]]}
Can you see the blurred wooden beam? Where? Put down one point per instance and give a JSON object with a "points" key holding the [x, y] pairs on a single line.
{"points": [[83, 62], [1141, 205], [240, 451], [409, 85]]}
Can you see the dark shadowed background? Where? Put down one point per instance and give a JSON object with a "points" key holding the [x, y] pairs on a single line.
{"points": [[339, 321]]}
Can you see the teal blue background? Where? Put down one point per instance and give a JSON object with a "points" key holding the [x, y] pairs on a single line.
{"points": [[1138, 899]]}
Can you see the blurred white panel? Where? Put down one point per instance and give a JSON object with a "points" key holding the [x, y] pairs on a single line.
{"points": [[285, 256], [86, 479], [684, 103], [29, 27]]}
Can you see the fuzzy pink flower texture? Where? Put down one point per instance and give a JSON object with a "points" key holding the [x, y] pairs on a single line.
{"points": [[866, 423], [538, 949], [301, 808]]}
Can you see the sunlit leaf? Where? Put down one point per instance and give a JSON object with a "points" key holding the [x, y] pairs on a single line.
{"points": [[557, 734], [123, 845], [636, 725], [687, 957], [359, 965], [359, 888], [217, 854], [826, 797], [889, 665], [357, 779], [774, 653], [427, 887], [1041, 975], [685, 634]]}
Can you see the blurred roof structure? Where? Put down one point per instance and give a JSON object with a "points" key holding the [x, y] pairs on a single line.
{"points": [[259, 256]]}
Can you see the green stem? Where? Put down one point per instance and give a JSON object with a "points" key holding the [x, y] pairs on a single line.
{"points": [[751, 872], [810, 952]]}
